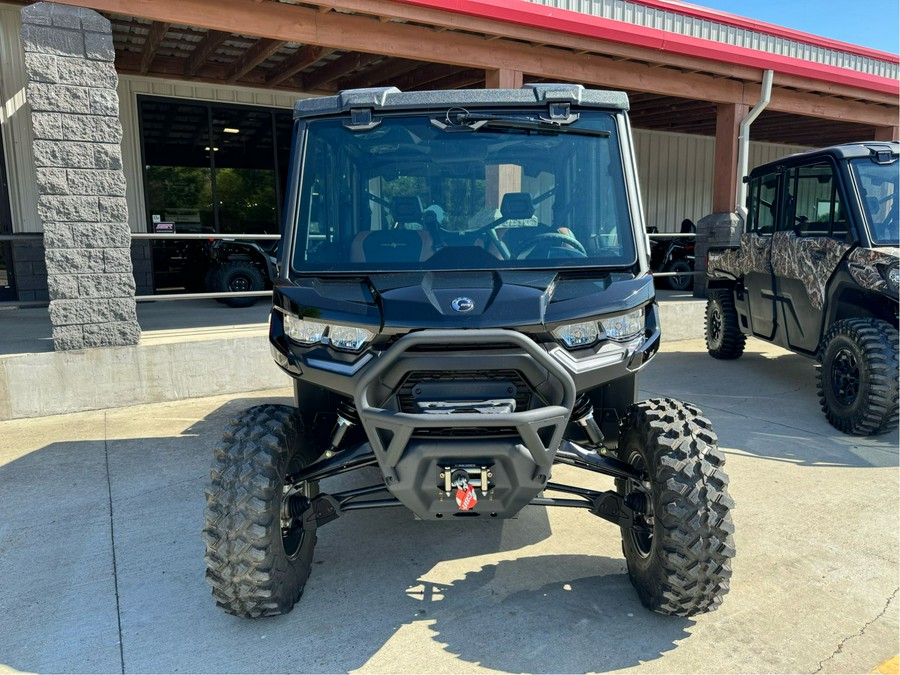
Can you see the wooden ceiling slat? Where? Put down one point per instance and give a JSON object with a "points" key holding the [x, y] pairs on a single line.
{"points": [[154, 39], [384, 74], [338, 68], [204, 49], [303, 58], [252, 57], [423, 76], [465, 79]]}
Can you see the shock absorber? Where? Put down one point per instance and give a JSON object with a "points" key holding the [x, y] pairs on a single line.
{"points": [[583, 414], [347, 417]]}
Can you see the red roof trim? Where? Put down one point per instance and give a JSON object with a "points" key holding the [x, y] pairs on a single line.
{"points": [[531, 14], [767, 28]]}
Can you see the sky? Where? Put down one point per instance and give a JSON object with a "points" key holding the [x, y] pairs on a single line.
{"points": [[868, 23]]}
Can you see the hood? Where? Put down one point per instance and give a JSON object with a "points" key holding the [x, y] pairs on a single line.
{"points": [[498, 299]]}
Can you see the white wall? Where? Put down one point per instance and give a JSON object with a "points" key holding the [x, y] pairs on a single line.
{"points": [[676, 174], [15, 118]]}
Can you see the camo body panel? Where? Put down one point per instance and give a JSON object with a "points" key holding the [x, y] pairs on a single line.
{"points": [[863, 265], [752, 256], [811, 260]]}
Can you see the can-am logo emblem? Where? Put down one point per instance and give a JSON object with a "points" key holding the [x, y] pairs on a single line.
{"points": [[462, 304]]}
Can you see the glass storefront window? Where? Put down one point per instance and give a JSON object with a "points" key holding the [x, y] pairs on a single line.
{"points": [[178, 184], [245, 170], [209, 168], [214, 168]]}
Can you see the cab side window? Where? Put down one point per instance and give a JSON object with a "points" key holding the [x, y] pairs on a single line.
{"points": [[813, 204], [761, 207]]}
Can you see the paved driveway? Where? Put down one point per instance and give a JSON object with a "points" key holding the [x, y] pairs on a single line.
{"points": [[101, 556]]}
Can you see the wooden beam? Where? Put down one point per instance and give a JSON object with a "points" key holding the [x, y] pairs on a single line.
{"points": [[502, 79], [886, 134], [303, 58], [338, 68], [725, 178], [252, 57], [406, 40], [203, 50], [151, 45], [497, 29]]}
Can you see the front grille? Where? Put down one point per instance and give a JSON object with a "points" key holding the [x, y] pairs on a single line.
{"points": [[406, 398], [465, 432], [465, 348]]}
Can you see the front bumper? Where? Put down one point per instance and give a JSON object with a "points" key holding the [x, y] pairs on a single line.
{"points": [[506, 456]]}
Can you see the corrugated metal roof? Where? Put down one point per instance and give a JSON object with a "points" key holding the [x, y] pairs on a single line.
{"points": [[684, 24]]}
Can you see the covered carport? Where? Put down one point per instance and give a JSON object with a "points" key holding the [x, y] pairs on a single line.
{"points": [[678, 82]]}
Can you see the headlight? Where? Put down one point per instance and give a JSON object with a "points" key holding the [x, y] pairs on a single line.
{"points": [[575, 335], [348, 337], [312, 332], [624, 326], [303, 331]]}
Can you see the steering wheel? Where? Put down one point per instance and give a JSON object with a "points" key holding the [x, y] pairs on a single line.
{"points": [[527, 247]]}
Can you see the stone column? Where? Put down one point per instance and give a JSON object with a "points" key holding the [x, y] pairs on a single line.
{"points": [[69, 58]]}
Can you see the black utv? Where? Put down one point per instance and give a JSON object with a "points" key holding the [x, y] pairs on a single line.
{"points": [[816, 272], [464, 301]]}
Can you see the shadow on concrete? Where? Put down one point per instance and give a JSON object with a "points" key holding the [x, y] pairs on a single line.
{"points": [[552, 613], [102, 538], [774, 391]]}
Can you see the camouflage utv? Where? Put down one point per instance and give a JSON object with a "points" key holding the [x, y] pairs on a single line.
{"points": [[816, 272]]}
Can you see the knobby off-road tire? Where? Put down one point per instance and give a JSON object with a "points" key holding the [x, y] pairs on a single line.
{"points": [[724, 339], [254, 568], [857, 376], [239, 275], [682, 566]]}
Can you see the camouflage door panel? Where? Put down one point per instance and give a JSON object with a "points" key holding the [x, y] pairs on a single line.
{"points": [[752, 256], [863, 264], [811, 260]]}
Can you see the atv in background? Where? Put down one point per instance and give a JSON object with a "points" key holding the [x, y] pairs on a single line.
{"points": [[816, 272], [239, 266], [675, 255], [468, 347], [214, 265]]}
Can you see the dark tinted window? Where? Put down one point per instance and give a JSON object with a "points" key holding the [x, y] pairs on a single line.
{"points": [[407, 195], [813, 205], [762, 204]]}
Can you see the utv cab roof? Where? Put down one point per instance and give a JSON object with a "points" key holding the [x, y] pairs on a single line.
{"points": [[391, 99], [882, 151]]}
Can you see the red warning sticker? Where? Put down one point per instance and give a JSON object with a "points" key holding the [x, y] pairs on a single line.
{"points": [[466, 498]]}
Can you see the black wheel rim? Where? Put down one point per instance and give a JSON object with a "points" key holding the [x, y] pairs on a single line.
{"points": [[641, 540], [715, 325], [240, 283], [681, 280], [845, 377], [292, 532]]}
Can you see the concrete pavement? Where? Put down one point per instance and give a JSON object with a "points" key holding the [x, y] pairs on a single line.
{"points": [[101, 559]]}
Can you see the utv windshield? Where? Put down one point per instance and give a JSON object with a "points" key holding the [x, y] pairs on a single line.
{"points": [[514, 192], [878, 188]]}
